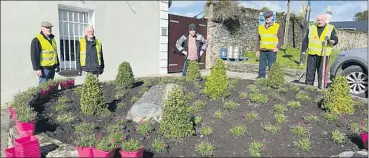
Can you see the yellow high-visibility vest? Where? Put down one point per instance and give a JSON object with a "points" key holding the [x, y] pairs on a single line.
{"points": [[49, 56], [82, 50], [316, 43], [268, 37]]}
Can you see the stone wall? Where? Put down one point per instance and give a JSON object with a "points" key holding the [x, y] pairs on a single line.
{"points": [[242, 32]]}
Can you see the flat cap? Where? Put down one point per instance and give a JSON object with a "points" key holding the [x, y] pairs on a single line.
{"points": [[192, 27], [268, 14], [46, 24]]}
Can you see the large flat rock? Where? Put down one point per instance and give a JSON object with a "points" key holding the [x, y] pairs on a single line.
{"points": [[149, 106]]}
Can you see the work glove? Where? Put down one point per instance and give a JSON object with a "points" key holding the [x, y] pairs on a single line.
{"points": [[331, 42]]}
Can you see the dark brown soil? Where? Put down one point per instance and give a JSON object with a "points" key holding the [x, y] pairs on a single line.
{"points": [[276, 145]]}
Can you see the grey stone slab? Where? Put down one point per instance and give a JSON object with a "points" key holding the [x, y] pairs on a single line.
{"points": [[5, 116]]}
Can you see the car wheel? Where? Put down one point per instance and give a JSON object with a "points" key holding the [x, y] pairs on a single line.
{"points": [[357, 79]]}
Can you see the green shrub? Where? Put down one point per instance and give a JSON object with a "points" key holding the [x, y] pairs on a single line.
{"points": [[275, 77], [193, 71], [158, 145], [176, 120], [131, 145], [25, 114], [256, 148], [125, 77], [217, 82], [338, 98], [91, 96], [105, 144], [205, 149]]}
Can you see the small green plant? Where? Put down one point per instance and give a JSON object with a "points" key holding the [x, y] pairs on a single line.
{"points": [[114, 127], [311, 88], [116, 137], [86, 140], [218, 114], [125, 78], [121, 105], [282, 90], [303, 144], [105, 144], [338, 99], [251, 116], [262, 82], [294, 104], [199, 104], [243, 95], [294, 88], [276, 76], [311, 117], [253, 88], [238, 131], [120, 93], [131, 145], [280, 118], [217, 83], [84, 127], [205, 149], [143, 90], [134, 99], [193, 71], [191, 96], [256, 148], [271, 128], [158, 145], [230, 105], [176, 119], [144, 128], [197, 119], [206, 131], [91, 96], [63, 99], [302, 95], [338, 137], [331, 117], [279, 108], [25, 114], [259, 98], [60, 107], [356, 128], [299, 130], [65, 118]]}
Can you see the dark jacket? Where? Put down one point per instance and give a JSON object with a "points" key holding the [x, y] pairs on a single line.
{"points": [[182, 44], [305, 43], [92, 64], [36, 54]]}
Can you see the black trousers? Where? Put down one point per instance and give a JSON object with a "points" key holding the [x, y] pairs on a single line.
{"points": [[315, 64]]}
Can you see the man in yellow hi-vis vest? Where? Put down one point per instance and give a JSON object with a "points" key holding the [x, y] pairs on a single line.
{"points": [[313, 44], [44, 56], [89, 54], [268, 41]]}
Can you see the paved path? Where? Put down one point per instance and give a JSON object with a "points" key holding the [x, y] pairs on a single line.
{"points": [[4, 129]]}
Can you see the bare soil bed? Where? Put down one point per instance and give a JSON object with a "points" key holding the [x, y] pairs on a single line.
{"points": [[226, 145]]}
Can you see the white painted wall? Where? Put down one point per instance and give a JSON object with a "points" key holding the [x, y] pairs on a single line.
{"points": [[126, 35]]}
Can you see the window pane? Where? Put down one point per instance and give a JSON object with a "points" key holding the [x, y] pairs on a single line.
{"points": [[75, 16], [70, 16], [86, 17]]}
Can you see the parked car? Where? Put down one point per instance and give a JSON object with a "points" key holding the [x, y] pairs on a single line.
{"points": [[354, 65]]}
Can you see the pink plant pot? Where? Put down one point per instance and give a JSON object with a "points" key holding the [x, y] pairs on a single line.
{"points": [[9, 152], [84, 151], [133, 154], [364, 139], [25, 128], [101, 153], [12, 113], [44, 92], [27, 147], [64, 85], [71, 83], [53, 88]]}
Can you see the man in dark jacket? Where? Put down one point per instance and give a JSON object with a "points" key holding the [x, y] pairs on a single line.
{"points": [[313, 44], [89, 54], [192, 45], [44, 56]]}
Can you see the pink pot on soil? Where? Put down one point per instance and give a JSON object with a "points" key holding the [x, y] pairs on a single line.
{"points": [[27, 147], [101, 153], [9, 152], [64, 85], [84, 151], [12, 113], [71, 83], [25, 128], [133, 154], [53, 88], [364, 139]]}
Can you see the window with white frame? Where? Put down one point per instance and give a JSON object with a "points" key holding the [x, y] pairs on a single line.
{"points": [[71, 28]]}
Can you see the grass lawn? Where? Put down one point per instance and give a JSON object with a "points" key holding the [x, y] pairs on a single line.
{"points": [[289, 58]]}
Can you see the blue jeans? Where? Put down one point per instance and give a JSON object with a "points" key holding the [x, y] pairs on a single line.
{"points": [[266, 58], [47, 74], [185, 65]]}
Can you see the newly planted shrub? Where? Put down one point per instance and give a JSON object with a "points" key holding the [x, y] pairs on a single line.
{"points": [[238, 131], [271, 128], [60, 107], [131, 145], [121, 105], [205, 149], [338, 99], [303, 144], [65, 118], [193, 71], [276, 77], [311, 117], [197, 120], [176, 120], [63, 99], [115, 127], [218, 114], [251, 116], [356, 128], [105, 144], [253, 88], [302, 95], [206, 131], [243, 95], [191, 96], [282, 90], [299, 130], [134, 99], [92, 95], [217, 82], [144, 128], [86, 140], [256, 149], [84, 127], [293, 104], [280, 118], [259, 98], [331, 117], [280, 109], [158, 145], [120, 93], [25, 114], [199, 104], [125, 77], [338, 137], [116, 137], [230, 105]]}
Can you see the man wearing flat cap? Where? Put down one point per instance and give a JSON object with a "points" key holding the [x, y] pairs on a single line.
{"points": [[44, 54], [192, 45], [268, 41]]}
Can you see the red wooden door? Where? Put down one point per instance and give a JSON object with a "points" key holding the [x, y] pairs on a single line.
{"points": [[178, 26]]}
